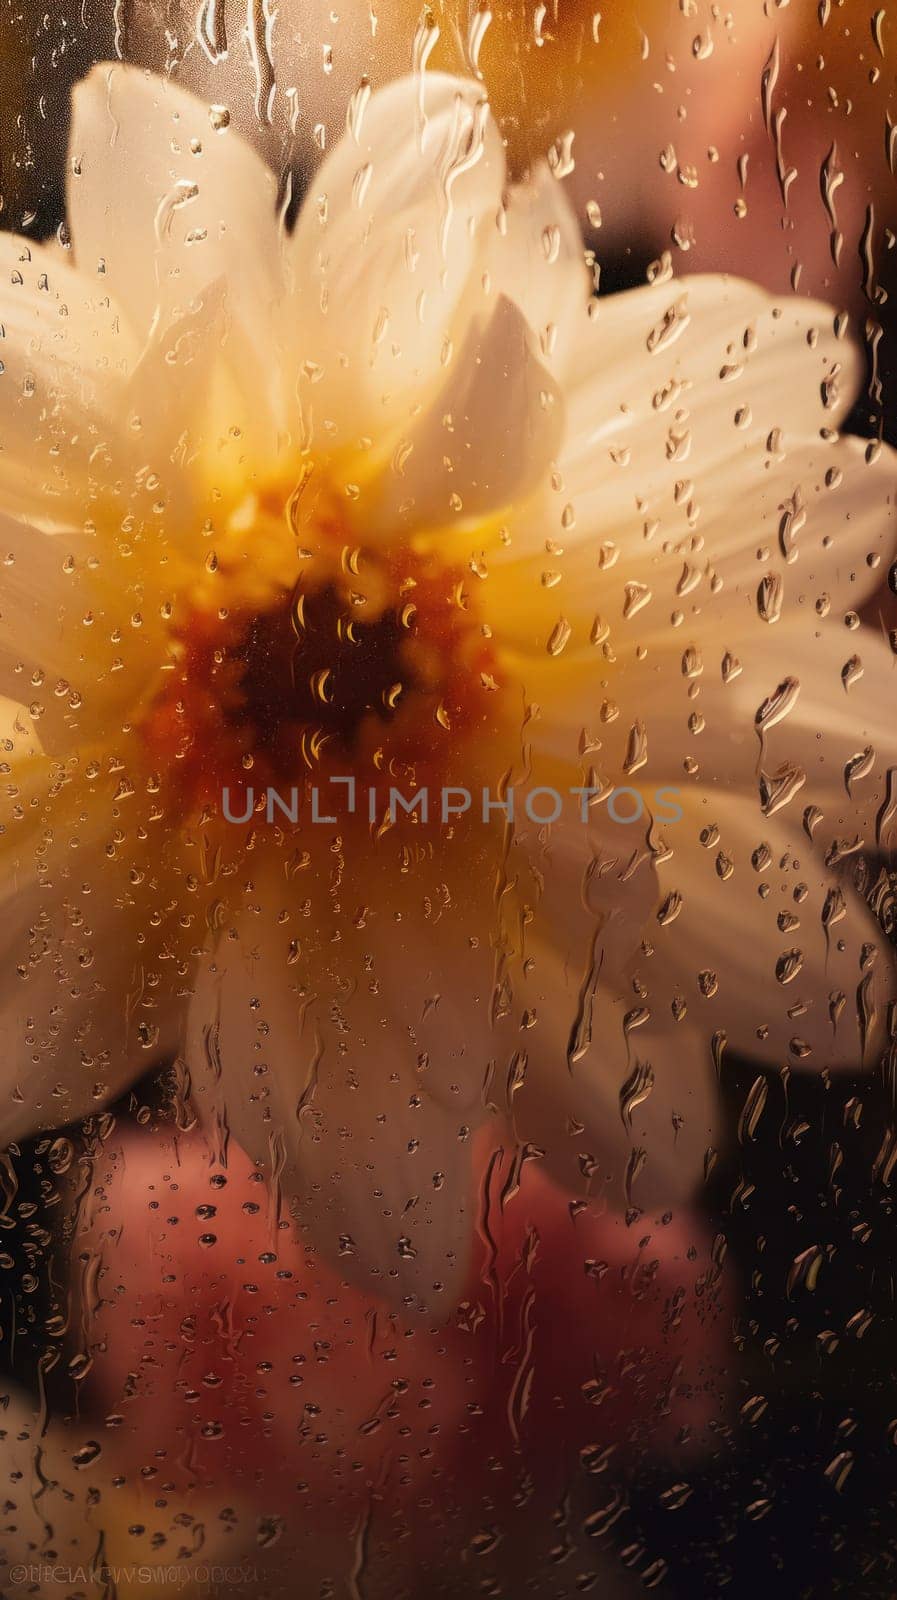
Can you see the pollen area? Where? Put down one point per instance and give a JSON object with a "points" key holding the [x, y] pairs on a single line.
{"points": [[358, 661]]}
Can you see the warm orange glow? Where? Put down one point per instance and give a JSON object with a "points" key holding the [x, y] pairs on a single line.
{"points": [[374, 662]]}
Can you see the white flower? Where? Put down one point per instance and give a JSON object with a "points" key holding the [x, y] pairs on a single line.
{"points": [[388, 497]]}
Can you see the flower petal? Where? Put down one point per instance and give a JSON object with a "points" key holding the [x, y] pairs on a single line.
{"points": [[350, 1076], [821, 518], [779, 777], [355, 1048], [621, 1104], [36, 646], [640, 517], [91, 994], [574, 1086], [537, 259], [740, 363], [815, 702], [205, 429], [770, 948], [384, 253], [63, 597], [488, 438], [162, 200], [64, 358]]}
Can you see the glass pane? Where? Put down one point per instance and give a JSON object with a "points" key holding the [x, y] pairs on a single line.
{"points": [[448, 800]]}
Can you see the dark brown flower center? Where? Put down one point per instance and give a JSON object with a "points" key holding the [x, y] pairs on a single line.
{"points": [[310, 672], [380, 664]]}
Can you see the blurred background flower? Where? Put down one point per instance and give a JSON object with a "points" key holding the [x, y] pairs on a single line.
{"points": [[226, 1364]]}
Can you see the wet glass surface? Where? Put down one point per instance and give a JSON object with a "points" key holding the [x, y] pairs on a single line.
{"points": [[447, 638]]}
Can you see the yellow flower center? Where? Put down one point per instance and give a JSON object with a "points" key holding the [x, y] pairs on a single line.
{"points": [[298, 657]]}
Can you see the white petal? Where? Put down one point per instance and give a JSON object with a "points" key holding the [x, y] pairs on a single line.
{"points": [[355, 1048], [771, 949], [37, 628], [537, 259], [384, 252], [702, 385], [487, 439], [597, 893], [623, 1101], [207, 408], [337, 1071], [593, 884], [639, 546], [739, 363], [64, 357], [689, 699], [161, 201], [90, 996], [820, 697], [810, 699], [63, 598], [701, 454], [847, 685]]}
